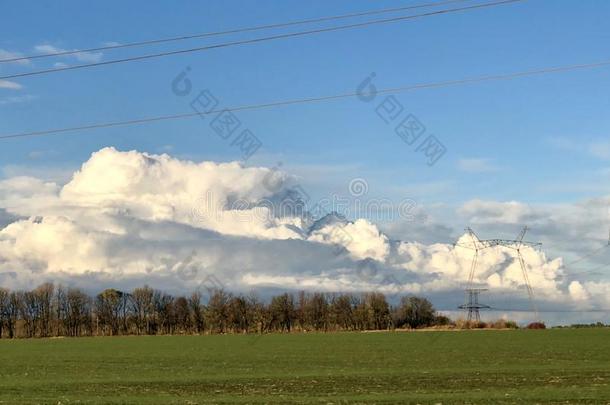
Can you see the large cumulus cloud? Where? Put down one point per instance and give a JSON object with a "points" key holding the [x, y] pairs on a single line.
{"points": [[128, 218]]}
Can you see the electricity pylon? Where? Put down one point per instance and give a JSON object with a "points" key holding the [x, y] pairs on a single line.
{"points": [[472, 294], [472, 304]]}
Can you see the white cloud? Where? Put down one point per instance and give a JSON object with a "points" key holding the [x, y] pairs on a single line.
{"points": [[17, 99], [7, 84], [160, 188], [476, 165], [4, 54], [42, 172], [564, 143], [511, 212], [128, 217], [598, 293], [24, 187], [87, 57], [578, 292], [600, 149], [577, 228], [38, 154], [361, 238]]}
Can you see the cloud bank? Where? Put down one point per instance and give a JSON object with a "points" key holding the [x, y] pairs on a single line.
{"points": [[129, 218]]}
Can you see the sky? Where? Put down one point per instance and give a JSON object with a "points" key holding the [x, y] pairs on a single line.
{"points": [[528, 151]]}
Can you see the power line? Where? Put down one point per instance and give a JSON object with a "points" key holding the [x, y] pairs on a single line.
{"points": [[315, 99], [232, 31], [311, 99], [256, 40], [592, 253], [593, 271], [586, 256], [494, 309], [549, 310]]}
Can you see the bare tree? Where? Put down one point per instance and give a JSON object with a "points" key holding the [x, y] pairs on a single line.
{"points": [[28, 310], [77, 313], [108, 308], [260, 314], [196, 311], [218, 310], [60, 307], [360, 313], [300, 311], [142, 303], [165, 312], [47, 311], [282, 311], [4, 305], [44, 300], [239, 314], [316, 311], [342, 311], [12, 314], [378, 311], [414, 312], [182, 315]]}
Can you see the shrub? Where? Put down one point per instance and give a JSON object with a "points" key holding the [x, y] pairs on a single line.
{"points": [[511, 325], [464, 324], [442, 320], [461, 323], [414, 312], [503, 324], [536, 325], [590, 325]]}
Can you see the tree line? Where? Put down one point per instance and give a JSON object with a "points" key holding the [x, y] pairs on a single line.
{"points": [[50, 310]]}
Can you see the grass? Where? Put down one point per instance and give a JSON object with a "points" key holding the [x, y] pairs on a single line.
{"points": [[494, 367]]}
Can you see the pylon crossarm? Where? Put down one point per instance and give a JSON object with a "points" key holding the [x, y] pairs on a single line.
{"points": [[464, 246], [474, 306], [509, 243]]}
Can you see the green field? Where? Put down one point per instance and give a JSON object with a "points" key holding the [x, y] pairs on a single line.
{"points": [[534, 366]]}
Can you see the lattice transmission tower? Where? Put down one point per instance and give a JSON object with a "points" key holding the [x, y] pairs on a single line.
{"points": [[472, 304]]}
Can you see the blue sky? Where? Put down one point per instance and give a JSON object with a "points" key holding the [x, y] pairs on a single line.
{"points": [[537, 140], [532, 150]]}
